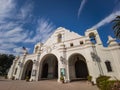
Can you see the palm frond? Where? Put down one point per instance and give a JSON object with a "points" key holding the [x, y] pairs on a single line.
{"points": [[116, 26], [118, 17]]}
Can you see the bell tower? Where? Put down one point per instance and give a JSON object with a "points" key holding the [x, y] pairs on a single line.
{"points": [[94, 36]]}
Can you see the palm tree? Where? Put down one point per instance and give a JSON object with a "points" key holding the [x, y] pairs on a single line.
{"points": [[116, 27]]}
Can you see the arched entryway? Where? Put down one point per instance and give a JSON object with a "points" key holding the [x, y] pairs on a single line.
{"points": [[77, 67], [44, 70], [27, 69], [48, 67]]}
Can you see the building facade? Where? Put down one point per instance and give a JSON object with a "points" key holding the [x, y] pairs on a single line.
{"points": [[71, 55]]}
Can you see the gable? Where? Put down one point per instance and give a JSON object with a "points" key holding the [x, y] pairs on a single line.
{"points": [[65, 36]]}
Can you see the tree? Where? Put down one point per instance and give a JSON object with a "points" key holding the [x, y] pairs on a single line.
{"points": [[5, 63], [116, 27]]}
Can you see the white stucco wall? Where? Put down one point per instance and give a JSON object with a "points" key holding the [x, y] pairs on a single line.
{"points": [[65, 50]]}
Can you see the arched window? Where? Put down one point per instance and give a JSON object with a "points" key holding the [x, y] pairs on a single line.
{"points": [[59, 38], [92, 38], [108, 66]]}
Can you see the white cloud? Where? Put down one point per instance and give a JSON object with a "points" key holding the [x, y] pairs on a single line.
{"points": [[14, 31], [19, 50], [6, 7], [44, 29], [7, 46], [8, 26], [81, 7], [106, 20], [11, 32], [110, 17], [13, 35], [25, 11], [5, 51]]}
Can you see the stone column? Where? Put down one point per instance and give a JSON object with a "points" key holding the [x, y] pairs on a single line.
{"points": [[68, 73], [34, 71], [21, 67]]}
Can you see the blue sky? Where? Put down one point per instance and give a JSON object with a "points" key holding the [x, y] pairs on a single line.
{"points": [[26, 22]]}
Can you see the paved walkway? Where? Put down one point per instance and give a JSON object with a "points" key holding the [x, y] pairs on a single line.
{"points": [[44, 85]]}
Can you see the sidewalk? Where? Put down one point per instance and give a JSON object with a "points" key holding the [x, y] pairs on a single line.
{"points": [[44, 85]]}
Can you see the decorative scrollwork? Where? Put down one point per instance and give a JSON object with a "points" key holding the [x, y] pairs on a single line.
{"points": [[49, 49], [62, 59]]}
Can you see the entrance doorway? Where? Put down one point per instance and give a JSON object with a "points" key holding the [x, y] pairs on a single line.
{"points": [[45, 70], [77, 67], [27, 70], [81, 69], [49, 67]]}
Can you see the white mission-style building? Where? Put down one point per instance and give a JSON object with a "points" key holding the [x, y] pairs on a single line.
{"points": [[71, 55]]}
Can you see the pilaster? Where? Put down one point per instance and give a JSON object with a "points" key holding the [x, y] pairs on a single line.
{"points": [[21, 66], [63, 63]]}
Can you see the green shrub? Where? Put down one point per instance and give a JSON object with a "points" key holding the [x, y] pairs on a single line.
{"points": [[27, 78], [102, 80], [62, 79], [110, 85], [104, 83], [89, 78]]}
